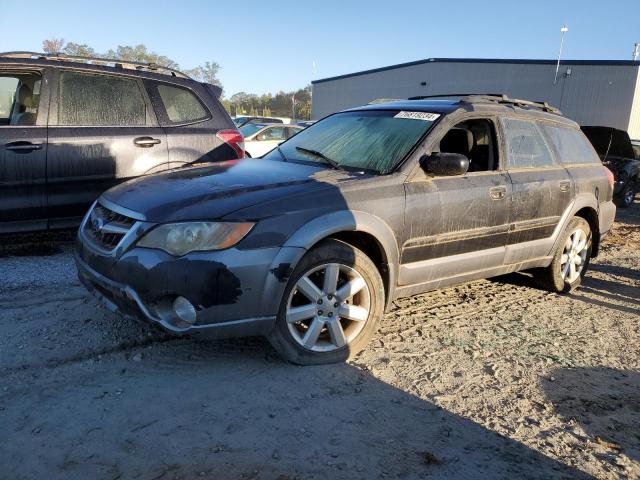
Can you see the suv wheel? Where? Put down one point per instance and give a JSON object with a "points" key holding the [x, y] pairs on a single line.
{"points": [[627, 196], [571, 260], [331, 306]]}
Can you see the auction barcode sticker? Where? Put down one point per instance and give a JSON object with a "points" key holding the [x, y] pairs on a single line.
{"points": [[426, 116]]}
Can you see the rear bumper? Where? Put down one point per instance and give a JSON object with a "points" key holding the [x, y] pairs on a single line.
{"points": [[606, 216], [121, 298]]}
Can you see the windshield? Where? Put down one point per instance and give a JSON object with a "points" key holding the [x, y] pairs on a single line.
{"points": [[239, 120], [373, 140], [249, 129]]}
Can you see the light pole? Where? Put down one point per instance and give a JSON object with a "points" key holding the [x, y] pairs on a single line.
{"points": [[563, 30], [636, 51]]}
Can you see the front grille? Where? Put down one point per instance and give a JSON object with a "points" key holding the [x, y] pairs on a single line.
{"points": [[106, 228]]}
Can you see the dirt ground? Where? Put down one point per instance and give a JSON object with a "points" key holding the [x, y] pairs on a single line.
{"points": [[494, 379]]}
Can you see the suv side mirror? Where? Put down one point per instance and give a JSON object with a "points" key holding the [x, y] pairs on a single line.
{"points": [[443, 164]]}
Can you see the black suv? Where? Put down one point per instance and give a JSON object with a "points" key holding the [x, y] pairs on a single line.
{"points": [[618, 154], [311, 243], [70, 129]]}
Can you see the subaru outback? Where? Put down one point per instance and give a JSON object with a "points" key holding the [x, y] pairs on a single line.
{"points": [[310, 244]]}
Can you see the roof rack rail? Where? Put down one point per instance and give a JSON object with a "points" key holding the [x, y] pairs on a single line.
{"points": [[445, 95], [500, 98], [114, 62]]}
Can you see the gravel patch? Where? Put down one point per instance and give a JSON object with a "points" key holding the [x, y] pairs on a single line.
{"points": [[493, 379]]}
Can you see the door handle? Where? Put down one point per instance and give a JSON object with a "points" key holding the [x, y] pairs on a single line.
{"points": [[565, 185], [146, 142], [497, 193], [23, 146]]}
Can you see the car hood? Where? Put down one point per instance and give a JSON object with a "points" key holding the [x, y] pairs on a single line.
{"points": [[216, 190]]}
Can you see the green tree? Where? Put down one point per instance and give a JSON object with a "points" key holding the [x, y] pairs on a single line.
{"points": [[79, 50]]}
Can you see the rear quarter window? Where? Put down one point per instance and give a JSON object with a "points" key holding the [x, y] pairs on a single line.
{"points": [[571, 145], [181, 105], [526, 147]]}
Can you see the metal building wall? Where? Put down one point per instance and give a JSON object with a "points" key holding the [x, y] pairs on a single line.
{"points": [[600, 94]]}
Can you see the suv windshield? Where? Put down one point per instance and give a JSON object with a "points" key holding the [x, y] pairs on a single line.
{"points": [[372, 140]]}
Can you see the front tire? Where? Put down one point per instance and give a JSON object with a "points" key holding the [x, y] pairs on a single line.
{"points": [[570, 261], [331, 306]]}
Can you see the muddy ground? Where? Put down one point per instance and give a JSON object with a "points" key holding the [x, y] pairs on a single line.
{"points": [[494, 379]]}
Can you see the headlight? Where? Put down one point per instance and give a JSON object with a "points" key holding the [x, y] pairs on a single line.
{"points": [[181, 238]]}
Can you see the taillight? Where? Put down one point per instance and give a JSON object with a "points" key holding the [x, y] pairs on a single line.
{"points": [[234, 139], [610, 177]]}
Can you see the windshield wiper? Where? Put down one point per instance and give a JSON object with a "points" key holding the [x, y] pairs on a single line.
{"points": [[321, 155], [281, 154]]}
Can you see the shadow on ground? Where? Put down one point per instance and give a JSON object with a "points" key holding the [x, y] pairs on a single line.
{"points": [[195, 410], [605, 402]]}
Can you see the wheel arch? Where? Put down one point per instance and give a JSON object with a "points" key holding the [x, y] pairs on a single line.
{"points": [[584, 206], [591, 216], [359, 229]]}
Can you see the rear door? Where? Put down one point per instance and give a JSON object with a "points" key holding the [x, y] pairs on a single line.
{"points": [[102, 131], [24, 98], [542, 189], [191, 119]]}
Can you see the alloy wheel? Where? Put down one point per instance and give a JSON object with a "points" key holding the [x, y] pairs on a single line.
{"points": [[328, 307], [574, 255]]}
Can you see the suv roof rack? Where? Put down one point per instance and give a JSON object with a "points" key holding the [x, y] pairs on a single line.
{"points": [[111, 62], [500, 98]]}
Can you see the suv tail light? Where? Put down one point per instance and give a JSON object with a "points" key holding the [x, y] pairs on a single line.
{"points": [[234, 139], [610, 177]]}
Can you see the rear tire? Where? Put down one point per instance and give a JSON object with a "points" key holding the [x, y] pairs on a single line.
{"points": [[570, 261], [627, 196], [331, 306]]}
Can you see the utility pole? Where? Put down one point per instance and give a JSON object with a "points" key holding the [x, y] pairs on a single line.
{"points": [[563, 30], [636, 51]]}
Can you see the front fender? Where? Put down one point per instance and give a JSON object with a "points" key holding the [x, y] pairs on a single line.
{"points": [[322, 227]]}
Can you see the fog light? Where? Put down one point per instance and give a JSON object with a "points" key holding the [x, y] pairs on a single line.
{"points": [[184, 310]]}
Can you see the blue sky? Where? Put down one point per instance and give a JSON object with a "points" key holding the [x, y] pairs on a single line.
{"points": [[266, 46]]}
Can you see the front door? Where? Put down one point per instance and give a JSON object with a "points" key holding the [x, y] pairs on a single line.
{"points": [[102, 131], [267, 140], [458, 224], [23, 150]]}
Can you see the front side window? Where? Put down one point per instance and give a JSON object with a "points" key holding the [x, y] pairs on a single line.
{"points": [[271, 134], [526, 147], [19, 99], [249, 129], [372, 140], [572, 146], [100, 101], [181, 105]]}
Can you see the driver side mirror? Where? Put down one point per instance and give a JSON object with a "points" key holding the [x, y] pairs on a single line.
{"points": [[443, 164]]}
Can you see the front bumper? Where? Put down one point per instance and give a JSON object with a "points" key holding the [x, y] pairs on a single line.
{"points": [[236, 293]]}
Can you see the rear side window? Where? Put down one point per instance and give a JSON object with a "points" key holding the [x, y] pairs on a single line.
{"points": [[100, 100], [572, 146], [526, 147], [181, 105]]}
